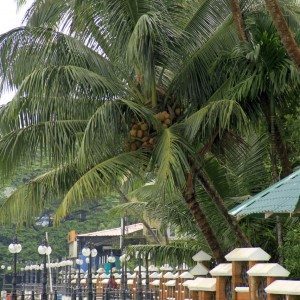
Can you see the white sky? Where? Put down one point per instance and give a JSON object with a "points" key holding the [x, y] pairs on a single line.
{"points": [[10, 18]]}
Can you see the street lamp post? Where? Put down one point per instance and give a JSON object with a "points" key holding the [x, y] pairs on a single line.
{"points": [[3, 275], [90, 252], [15, 247], [124, 258], [147, 283], [26, 275], [22, 276], [8, 269], [79, 263], [111, 259], [44, 249], [31, 275], [139, 287]]}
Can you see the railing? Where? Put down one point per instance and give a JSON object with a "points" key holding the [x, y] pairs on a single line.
{"points": [[33, 292], [109, 294]]}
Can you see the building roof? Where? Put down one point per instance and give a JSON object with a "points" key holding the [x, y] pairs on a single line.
{"points": [[281, 197], [114, 231]]}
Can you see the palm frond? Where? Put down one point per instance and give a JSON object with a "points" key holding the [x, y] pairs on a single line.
{"points": [[170, 157], [192, 79], [29, 200], [26, 48], [244, 167], [166, 208], [107, 123], [221, 114], [131, 209], [53, 140], [175, 254], [102, 178]]}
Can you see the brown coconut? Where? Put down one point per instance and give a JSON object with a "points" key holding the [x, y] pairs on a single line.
{"points": [[166, 115], [144, 126], [133, 132], [167, 121], [140, 133]]}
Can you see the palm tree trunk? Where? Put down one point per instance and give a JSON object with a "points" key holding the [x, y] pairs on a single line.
{"points": [[201, 220], [154, 236], [279, 147], [286, 35], [268, 108], [238, 19], [219, 202]]}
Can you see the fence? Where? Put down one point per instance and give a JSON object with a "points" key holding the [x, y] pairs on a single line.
{"points": [[247, 275], [106, 294]]}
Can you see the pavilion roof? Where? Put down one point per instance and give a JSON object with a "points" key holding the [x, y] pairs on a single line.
{"points": [[114, 231], [281, 197]]}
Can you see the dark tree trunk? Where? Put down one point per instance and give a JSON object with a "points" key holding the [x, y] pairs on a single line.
{"points": [[219, 202], [282, 152], [286, 35], [279, 147], [201, 220], [238, 19], [268, 108]]}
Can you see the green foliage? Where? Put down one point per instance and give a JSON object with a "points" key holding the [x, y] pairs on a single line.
{"points": [[291, 127], [291, 248], [91, 217], [120, 62], [175, 253], [97, 218]]}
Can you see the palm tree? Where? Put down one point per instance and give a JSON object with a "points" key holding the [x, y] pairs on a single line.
{"points": [[264, 80], [122, 92], [286, 35], [247, 174]]}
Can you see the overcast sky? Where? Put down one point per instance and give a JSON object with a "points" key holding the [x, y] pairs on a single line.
{"points": [[10, 17]]}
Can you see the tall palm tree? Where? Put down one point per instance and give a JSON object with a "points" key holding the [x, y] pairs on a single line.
{"points": [[247, 174], [286, 35], [120, 93], [265, 82]]}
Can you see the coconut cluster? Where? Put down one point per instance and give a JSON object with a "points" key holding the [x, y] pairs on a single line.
{"points": [[165, 118], [168, 117], [140, 136]]}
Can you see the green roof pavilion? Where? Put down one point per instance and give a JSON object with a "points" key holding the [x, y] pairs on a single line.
{"points": [[283, 197]]}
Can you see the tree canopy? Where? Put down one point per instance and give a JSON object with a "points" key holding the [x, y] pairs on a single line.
{"points": [[180, 107]]}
